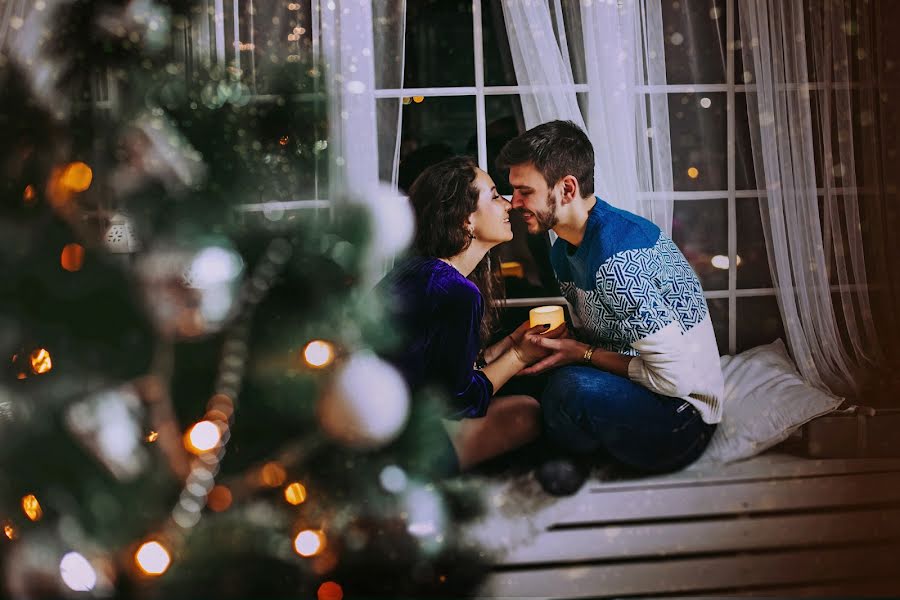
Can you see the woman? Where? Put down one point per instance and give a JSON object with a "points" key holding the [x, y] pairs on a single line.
{"points": [[442, 298]]}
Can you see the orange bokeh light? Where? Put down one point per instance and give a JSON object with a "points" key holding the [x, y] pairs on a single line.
{"points": [[28, 195], [272, 474], [219, 498], [77, 177], [72, 257], [32, 507], [40, 361], [295, 493], [330, 590]]}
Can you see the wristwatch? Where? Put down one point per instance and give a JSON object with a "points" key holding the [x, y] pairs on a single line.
{"points": [[588, 354]]}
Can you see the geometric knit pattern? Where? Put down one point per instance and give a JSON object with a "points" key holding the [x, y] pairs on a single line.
{"points": [[637, 293]]}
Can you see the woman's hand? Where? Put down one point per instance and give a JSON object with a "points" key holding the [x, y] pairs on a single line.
{"points": [[527, 341]]}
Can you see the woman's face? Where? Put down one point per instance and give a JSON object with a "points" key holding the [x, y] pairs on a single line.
{"points": [[490, 221]]}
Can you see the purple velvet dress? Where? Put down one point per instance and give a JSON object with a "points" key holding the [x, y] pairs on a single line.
{"points": [[439, 312]]}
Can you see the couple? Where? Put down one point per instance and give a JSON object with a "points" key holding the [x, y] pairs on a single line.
{"points": [[640, 380]]}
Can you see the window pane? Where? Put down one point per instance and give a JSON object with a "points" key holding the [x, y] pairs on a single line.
{"points": [[700, 229], [695, 40], [439, 44], [504, 122], [272, 35], [752, 264], [699, 135], [433, 129], [498, 65], [758, 322], [718, 314], [744, 173]]}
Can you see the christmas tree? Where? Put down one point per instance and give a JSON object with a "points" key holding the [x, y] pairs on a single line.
{"points": [[193, 404]]}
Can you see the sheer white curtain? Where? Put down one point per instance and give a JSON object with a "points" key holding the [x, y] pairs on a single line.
{"points": [[782, 126], [619, 46]]}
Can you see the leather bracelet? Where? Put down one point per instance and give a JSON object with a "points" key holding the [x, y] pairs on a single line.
{"points": [[588, 354]]}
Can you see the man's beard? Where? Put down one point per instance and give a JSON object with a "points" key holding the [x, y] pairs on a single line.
{"points": [[545, 220]]}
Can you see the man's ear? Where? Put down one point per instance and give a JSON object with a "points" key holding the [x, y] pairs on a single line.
{"points": [[570, 188]]}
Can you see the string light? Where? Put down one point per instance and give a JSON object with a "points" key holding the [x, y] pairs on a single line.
{"points": [[284, 140], [272, 474], [219, 498], [418, 99], [77, 177], [28, 195], [9, 531], [693, 172], [318, 353], [40, 361], [72, 257], [309, 543], [202, 437], [152, 436], [32, 507], [295, 493], [77, 573], [152, 558]]}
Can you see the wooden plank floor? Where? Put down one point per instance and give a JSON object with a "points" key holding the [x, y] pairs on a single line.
{"points": [[773, 525]]}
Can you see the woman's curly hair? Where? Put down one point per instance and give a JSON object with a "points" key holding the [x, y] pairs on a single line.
{"points": [[443, 197]]}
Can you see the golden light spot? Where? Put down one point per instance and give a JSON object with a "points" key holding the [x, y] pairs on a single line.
{"points": [[272, 474], [418, 99], [295, 493], [40, 361], [330, 590], [28, 195], [693, 172], [219, 498], [202, 437], [77, 177], [32, 507], [9, 531], [284, 140], [152, 436], [152, 558], [72, 257], [407, 100], [309, 542], [318, 353]]}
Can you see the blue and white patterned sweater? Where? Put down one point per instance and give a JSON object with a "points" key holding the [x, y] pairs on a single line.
{"points": [[634, 293]]}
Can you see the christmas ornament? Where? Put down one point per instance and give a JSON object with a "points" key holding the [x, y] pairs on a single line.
{"points": [[367, 404], [191, 291]]}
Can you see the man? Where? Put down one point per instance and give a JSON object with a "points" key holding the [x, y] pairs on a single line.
{"points": [[642, 380]]}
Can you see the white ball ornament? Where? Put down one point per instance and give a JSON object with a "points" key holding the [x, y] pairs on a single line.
{"points": [[367, 404]]}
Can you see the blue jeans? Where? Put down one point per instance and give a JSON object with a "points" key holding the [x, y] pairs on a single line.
{"points": [[587, 410]]}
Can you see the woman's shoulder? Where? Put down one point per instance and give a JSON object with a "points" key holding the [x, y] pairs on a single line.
{"points": [[435, 278]]}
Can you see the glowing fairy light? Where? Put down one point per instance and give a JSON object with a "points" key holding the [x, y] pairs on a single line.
{"points": [[152, 558], [693, 172], [219, 498], [77, 177], [28, 195], [77, 573], [295, 493], [32, 507], [9, 531], [318, 353], [272, 474], [309, 542], [202, 437], [152, 436], [72, 257], [330, 590], [41, 361]]}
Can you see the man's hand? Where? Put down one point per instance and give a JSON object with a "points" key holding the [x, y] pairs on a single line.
{"points": [[528, 347], [562, 351]]}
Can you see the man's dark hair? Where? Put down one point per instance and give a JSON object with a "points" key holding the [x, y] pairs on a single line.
{"points": [[556, 149]]}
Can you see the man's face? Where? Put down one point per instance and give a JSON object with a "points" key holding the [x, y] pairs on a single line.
{"points": [[533, 198]]}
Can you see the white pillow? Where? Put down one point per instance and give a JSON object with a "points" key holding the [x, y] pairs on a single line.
{"points": [[766, 399]]}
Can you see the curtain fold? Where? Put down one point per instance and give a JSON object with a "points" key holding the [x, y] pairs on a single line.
{"points": [[800, 245], [619, 48]]}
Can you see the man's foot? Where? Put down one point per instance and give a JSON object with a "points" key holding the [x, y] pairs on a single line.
{"points": [[562, 476]]}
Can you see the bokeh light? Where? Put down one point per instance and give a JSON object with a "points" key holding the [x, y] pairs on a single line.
{"points": [[295, 493], [77, 573], [202, 437], [309, 542], [152, 558], [77, 177], [219, 498], [40, 361], [693, 172], [72, 257], [28, 195], [9, 531], [32, 507], [152, 436], [272, 474], [330, 590], [318, 353]]}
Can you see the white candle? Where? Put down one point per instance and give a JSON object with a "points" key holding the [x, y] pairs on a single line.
{"points": [[552, 315]]}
